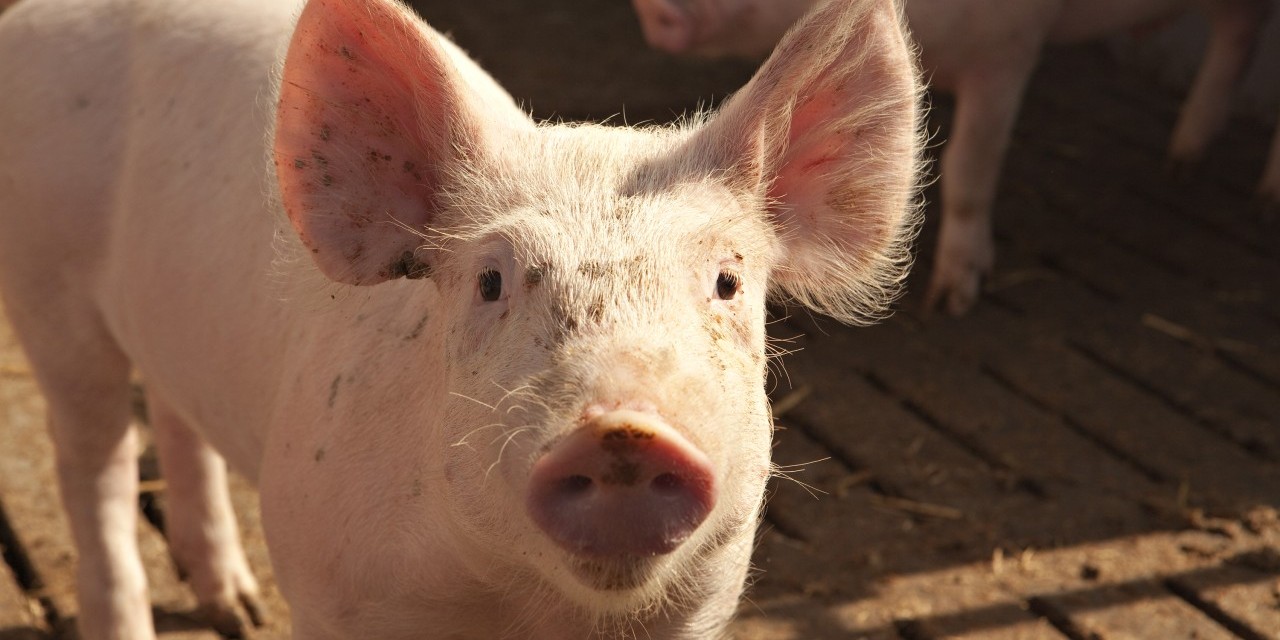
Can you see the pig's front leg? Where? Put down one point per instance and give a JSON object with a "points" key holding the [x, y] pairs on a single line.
{"points": [[987, 100], [1235, 26], [201, 525], [87, 385]]}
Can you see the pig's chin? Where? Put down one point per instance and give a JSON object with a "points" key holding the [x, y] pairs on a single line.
{"points": [[616, 575], [627, 584], [616, 586]]}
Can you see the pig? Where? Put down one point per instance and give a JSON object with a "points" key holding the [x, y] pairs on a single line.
{"points": [[984, 52], [493, 378]]}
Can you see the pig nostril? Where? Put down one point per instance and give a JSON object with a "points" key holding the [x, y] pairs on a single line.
{"points": [[667, 483], [623, 485], [576, 484]]}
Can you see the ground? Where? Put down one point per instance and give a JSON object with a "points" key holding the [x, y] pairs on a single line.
{"points": [[1093, 452]]}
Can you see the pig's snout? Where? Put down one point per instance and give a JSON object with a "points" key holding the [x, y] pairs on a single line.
{"points": [[625, 484], [666, 24]]}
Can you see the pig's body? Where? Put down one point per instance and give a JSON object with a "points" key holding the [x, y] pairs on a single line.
{"points": [[984, 52], [421, 445], [124, 117], [193, 115]]}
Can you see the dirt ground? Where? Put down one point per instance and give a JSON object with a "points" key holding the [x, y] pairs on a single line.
{"points": [[1094, 452]]}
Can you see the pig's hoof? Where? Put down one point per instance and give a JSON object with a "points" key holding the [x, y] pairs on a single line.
{"points": [[966, 253], [223, 583], [954, 293], [234, 619]]}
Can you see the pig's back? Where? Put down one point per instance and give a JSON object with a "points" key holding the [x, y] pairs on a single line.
{"points": [[133, 154]]}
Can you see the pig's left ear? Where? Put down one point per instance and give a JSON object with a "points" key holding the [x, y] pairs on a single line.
{"points": [[377, 114], [828, 134]]}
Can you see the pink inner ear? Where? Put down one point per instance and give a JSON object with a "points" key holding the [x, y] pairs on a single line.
{"points": [[362, 136], [815, 156]]}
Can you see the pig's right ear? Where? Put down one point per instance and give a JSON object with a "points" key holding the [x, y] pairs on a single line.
{"points": [[376, 111], [827, 138]]}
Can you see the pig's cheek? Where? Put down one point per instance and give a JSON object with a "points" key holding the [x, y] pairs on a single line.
{"points": [[474, 336], [728, 326]]}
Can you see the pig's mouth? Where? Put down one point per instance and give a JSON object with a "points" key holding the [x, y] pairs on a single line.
{"points": [[626, 584], [615, 575], [619, 574]]}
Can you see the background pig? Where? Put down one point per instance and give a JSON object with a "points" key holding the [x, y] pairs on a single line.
{"points": [[984, 51], [494, 378], [1174, 51]]}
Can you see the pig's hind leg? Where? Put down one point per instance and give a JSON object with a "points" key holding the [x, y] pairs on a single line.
{"points": [[85, 379], [1234, 29], [200, 524]]}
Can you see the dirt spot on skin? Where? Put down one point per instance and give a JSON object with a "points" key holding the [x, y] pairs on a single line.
{"points": [[622, 443], [533, 277], [594, 270], [409, 266], [624, 440], [567, 323], [412, 169], [333, 390], [716, 334], [417, 328]]}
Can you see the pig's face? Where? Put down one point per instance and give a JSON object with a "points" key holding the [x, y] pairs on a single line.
{"points": [[584, 281], [601, 290]]}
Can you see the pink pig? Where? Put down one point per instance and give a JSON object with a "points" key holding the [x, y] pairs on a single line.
{"points": [[984, 51], [494, 378]]}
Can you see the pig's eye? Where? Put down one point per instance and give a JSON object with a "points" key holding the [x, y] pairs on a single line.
{"points": [[727, 285], [490, 285]]}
